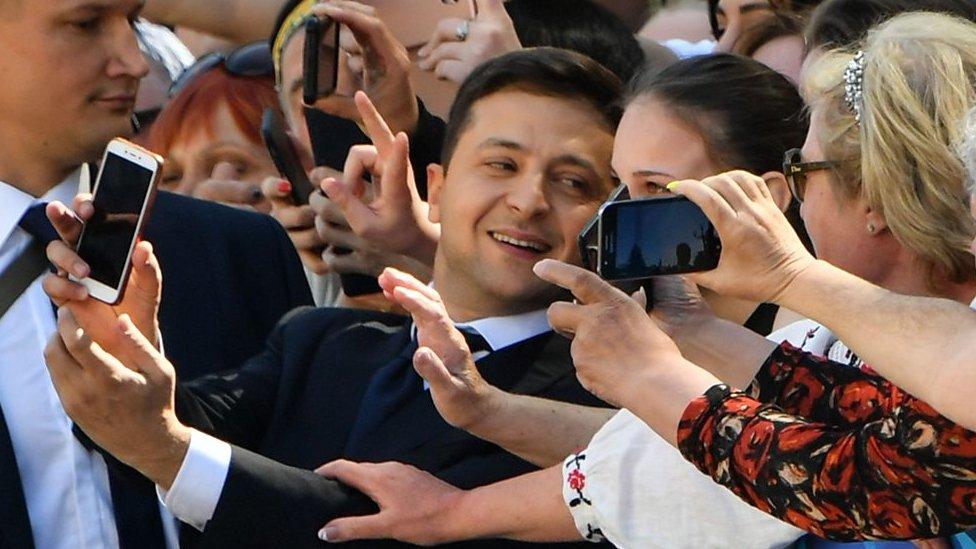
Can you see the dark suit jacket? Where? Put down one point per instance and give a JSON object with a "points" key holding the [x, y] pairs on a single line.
{"points": [[298, 401], [229, 277]]}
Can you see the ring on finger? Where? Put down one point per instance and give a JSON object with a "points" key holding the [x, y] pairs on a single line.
{"points": [[463, 30]]}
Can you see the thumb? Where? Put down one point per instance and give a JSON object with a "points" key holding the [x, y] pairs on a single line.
{"points": [[432, 369], [147, 276], [356, 212], [223, 170], [350, 528], [339, 106], [138, 350], [640, 296]]}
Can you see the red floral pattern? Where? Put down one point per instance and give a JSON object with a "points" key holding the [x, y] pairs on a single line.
{"points": [[576, 479], [837, 451]]}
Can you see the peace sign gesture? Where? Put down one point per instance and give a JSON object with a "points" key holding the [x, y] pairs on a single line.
{"points": [[392, 216]]}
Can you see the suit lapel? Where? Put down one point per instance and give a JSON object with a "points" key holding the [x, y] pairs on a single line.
{"points": [[15, 530]]}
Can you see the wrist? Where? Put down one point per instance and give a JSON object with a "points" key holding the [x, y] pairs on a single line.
{"points": [[812, 276], [165, 460], [488, 410]]}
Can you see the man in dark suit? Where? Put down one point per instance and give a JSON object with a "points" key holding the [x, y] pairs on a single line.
{"points": [[525, 165], [70, 71]]}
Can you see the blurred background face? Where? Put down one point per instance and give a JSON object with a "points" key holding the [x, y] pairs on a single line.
{"points": [[527, 173], [654, 147], [290, 87], [732, 17], [198, 150], [69, 65]]}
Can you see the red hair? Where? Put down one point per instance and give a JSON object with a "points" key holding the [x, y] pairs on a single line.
{"points": [[194, 108]]}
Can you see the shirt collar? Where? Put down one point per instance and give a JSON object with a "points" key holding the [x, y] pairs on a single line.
{"points": [[505, 331], [14, 202]]}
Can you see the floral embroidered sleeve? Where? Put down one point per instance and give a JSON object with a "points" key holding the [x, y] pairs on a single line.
{"points": [[840, 453]]}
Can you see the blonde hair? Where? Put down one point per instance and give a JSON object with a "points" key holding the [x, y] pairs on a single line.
{"points": [[903, 157]]}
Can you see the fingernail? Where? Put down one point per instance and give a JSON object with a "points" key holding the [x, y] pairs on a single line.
{"points": [[284, 187], [324, 534], [86, 209], [80, 270], [672, 185]]}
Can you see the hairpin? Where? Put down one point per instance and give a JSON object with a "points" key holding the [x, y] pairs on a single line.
{"points": [[854, 85]]}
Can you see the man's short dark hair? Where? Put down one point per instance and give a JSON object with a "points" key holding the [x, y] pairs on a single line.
{"points": [[839, 23], [580, 26], [543, 71]]}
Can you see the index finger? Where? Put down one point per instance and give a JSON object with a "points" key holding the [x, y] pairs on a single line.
{"points": [[376, 128], [586, 286]]}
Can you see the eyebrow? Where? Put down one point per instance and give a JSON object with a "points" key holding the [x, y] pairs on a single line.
{"points": [[755, 6], [650, 173], [501, 142], [130, 6]]}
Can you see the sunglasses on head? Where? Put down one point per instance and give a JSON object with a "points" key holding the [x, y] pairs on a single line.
{"points": [[249, 60]]}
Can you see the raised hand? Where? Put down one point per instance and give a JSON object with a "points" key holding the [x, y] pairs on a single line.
{"points": [[489, 35], [761, 253], [142, 293], [461, 395], [393, 216], [298, 221], [374, 62], [414, 504]]}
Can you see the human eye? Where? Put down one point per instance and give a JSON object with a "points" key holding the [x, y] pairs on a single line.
{"points": [[501, 165], [86, 25]]}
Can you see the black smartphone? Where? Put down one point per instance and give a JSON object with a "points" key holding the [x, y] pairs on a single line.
{"points": [[655, 237], [589, 244], [332, 137], [320, 59], [124, 193], [285, 157]]}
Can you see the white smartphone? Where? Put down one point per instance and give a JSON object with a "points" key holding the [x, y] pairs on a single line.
{"points": [[124, 193]]}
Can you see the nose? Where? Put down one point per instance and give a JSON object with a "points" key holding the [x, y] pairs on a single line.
{"points": [[528, 196], [126, 59]]}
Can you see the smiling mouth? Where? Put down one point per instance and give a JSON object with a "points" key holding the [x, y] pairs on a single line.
{"points": [[535, 247]]}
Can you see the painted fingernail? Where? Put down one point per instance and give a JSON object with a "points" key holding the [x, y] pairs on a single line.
{"points": [[256, 194], [284, 187], [672, 185]]}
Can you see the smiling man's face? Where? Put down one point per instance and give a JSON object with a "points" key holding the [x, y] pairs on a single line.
{"points": [[527, 173], [71, 70]]}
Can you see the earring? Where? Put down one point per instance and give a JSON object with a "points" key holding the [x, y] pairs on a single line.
{"points": [[871, 228]]}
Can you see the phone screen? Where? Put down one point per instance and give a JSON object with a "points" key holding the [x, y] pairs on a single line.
{"points": [[654, 237], [118, 201]]}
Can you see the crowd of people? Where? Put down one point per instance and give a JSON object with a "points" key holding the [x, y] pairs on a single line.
{"points": [[417, 355]]}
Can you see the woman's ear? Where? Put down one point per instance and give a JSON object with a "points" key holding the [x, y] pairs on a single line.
{"points": [[778, 189], [874, 222], [435, 182]]}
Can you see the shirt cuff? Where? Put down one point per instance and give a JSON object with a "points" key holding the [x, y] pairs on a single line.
{"points": [[196, 490], [578, 500]]}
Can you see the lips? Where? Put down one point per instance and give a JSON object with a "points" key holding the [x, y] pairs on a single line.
{"points": [[521, 241]]}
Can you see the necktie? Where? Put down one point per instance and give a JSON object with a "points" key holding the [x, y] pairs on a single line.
{"points": [[395, 385], [36, 223], [137, 516]]}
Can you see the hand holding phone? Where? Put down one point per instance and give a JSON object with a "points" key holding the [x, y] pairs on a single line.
{"points": [[124, 193], [655, 237], [285, 156]]}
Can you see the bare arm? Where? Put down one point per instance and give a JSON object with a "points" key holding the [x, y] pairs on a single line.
{"points": [[417, 507], [926, 346], [238, 20], [540, 431]]}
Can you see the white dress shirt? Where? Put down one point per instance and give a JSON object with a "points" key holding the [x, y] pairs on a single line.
{"points": [[66, 487], [197, 487]]}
